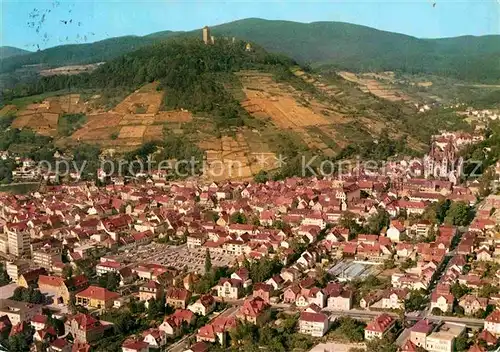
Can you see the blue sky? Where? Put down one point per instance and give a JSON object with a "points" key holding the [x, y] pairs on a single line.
{"points": [[96, 20]]}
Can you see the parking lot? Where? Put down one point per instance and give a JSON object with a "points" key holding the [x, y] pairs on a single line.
{"points": [[176, 256]]}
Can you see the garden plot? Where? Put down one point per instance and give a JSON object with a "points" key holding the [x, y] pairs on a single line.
{"points": [[235, 157], [146, 100], [43, 117], [132, 132]]}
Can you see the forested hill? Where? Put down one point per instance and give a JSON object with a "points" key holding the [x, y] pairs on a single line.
{"points": [[103, 50], [191, 73], [9, 51], [359, 48], [320, 44]]}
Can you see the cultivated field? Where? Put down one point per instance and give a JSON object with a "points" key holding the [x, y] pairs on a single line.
{"points": [[43, 117], [135, 120], [376, 84], [289, 109], [238, 157]]}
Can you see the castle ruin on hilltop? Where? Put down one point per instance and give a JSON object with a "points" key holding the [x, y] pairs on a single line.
{"points": [[210, 39], [207, 38]]}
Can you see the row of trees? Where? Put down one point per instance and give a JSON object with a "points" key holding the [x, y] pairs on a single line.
{"points": [[30, 295]]}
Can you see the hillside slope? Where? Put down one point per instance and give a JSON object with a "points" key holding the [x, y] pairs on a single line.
{"points": [[10, 51], [330, 44], [103, 50], [223, 102], [359, 48]]}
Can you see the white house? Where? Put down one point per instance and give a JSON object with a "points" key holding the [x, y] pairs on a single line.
{"points": [[379, 327], [492, 323], [203, 306], [313, 323]]}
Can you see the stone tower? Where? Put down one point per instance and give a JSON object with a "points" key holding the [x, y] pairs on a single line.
{"points": [[207, 38]]}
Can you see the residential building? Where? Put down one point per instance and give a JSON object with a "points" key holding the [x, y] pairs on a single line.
{"points": [[178, 297], [395, 298], [199, 347], [59, 288], [229, 288], [379, 326], [217, 330], [443, 339], [173, 324], [313, 323], [263, 291], [150, 290], [492, 323], [39, 322], [195, 240], [243, 275], [18, 238], [96, 297], [340, 299], [203, 305], [443, 302], [419, 332], [471, 304], [85, 328], [46, 257], [155, 338], [19, 311], [30, 277], [135, 346], [60, 345], [255, 311], [16, 268]]}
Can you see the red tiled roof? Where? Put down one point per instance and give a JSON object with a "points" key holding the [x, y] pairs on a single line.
{"points": [[409, 346], [487, 337], [39, 318], [178, 294], [262, 287], [200, 347], [59, 343], [183, 315], [380, 323], [422, 326], [313, 317], [135, 345], [98, 293], [253, 307], [86, 322], [220, 324], [54, 281], [494, 317]]}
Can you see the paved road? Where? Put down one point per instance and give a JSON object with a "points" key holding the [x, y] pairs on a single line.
{"points": [[469, 322], [358, 313]]}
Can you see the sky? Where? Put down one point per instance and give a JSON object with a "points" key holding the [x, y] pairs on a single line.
{"points": [[80, 21]]}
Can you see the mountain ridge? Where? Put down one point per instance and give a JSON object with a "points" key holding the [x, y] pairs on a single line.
{"points": [[11, 51], [322, 44]]}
